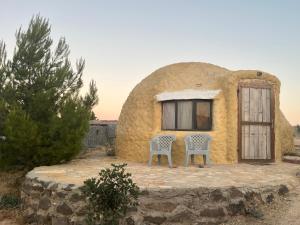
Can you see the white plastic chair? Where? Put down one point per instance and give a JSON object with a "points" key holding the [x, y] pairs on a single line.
{"points": [[161, 145], [197, 144]]}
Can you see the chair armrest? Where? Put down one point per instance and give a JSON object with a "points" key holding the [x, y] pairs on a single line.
{"points": [[152, 143]]}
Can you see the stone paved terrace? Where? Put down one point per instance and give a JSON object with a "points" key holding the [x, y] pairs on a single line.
{"points": [[238, 175], [184, 196]]}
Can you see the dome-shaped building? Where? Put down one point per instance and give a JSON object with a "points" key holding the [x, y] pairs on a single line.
{"points": [[238, 109]]}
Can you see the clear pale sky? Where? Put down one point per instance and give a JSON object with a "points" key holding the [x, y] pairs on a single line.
{"points": [[124, 41]]}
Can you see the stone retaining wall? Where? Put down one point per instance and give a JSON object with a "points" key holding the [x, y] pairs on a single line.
{"points": [[50, 203]]}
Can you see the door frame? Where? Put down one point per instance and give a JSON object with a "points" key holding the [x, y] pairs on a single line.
{"points": [[256, 84]]}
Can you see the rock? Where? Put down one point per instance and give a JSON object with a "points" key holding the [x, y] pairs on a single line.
{"points": [[236, 208], [44, 203], [44, 219], [208, 223], [37, 187], [34, 206], [47, 192], [81, 211], [144, 192], [35, 195], [298, 174], [181, 214], [270, 198], [64, 209], [283, 189], [213, 212], [235, 193], [155, 218], [253, 196], [53, 186], [61, 194], [256, 213], [129, 221], [45, 184], [69, 187], [29, 216], [161, 206], [26, 188], [60, 221], [133, 219], [132, 209], [217, 195], [76, 197]]}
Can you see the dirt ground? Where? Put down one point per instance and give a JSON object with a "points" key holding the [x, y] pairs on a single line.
{"points": [[285, 212], [9, 184]]}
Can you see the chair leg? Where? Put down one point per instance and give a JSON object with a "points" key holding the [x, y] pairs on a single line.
{"points": [[170, 160], [187, 159], [207, 161], [150, 160], [193, 159], [158, 159]]}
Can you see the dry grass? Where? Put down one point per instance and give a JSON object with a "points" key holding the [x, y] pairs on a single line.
{"points": [[10, 183]]}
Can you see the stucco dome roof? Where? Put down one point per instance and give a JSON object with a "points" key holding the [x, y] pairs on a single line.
{"points": [[183, 75]]}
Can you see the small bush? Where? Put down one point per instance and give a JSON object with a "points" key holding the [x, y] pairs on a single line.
{"points": [[110, 196], [9, 201]]}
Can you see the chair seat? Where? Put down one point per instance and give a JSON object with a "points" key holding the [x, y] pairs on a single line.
{"points": [[198, 152], [162, 152]]}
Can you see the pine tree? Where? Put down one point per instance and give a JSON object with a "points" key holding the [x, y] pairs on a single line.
{"points": [[42, 114]]}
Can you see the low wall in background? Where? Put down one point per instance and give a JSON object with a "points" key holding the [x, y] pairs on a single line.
{"points": [[101, 133]]}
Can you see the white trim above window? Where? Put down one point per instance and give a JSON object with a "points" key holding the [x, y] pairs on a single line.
{"points": [[187, 94]]}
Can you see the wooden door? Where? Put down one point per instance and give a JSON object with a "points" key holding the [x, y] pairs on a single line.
{"points": [[256, 123]]}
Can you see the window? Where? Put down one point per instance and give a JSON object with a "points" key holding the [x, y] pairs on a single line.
{"points": [[187, 115], [169, 115]]}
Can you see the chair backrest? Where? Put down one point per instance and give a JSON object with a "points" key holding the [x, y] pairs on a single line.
{"points": [[197, 141], [164, 142]]}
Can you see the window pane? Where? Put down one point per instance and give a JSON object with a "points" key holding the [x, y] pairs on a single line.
{"points": [[203, 115], [168, 121], [184, 117]]}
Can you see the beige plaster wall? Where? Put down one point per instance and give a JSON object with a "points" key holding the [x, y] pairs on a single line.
{"points": [[140, 118]]}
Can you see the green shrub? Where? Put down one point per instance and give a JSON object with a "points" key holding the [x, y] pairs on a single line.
{"points": [[110, 196], [42, 114], [9, 201], [22, 135]]}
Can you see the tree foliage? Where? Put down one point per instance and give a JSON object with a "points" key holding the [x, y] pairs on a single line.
{"points": [[110, 196], [42, 114]]}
